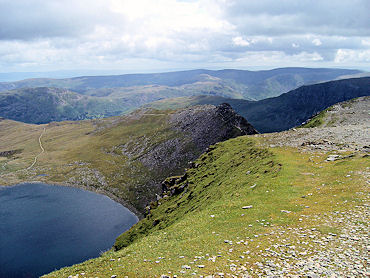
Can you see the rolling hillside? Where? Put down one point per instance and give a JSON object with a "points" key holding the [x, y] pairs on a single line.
{"points": [[43, 105]]}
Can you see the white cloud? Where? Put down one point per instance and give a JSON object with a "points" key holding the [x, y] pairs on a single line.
{"points": [[348, 55], [239, 41], [365, 42], [166, 18], [317, 42], [305, 56]]}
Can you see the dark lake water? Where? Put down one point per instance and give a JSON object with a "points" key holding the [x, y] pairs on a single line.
{"points": [[45, 227]]}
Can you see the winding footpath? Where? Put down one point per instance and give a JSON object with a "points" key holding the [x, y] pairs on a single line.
{"points": [[42, 150]]}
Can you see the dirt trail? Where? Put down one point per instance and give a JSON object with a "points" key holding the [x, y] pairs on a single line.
{"points": [[148, 114], [42, 150]]}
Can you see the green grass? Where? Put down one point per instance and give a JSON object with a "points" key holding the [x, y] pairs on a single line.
{"points": [[316, 121], [327, 229], [206, 185], [194, 224], [348, 103]]}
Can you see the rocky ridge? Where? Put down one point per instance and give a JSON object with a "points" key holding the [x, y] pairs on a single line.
{"points": [[345, 126]]}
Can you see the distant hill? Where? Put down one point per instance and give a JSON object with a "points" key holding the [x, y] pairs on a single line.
{"points": [[287, 110], [228, 83], [44, 105]]}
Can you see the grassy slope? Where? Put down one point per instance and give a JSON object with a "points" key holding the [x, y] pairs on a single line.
{"points": [[18, 136], [316, 121], [82, 152], [220, 186], [58, 139]]}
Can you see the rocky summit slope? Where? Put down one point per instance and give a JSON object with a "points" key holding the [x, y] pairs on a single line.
{"points": [[345, 126], [126, 158], [256, 206], [217, 122]]}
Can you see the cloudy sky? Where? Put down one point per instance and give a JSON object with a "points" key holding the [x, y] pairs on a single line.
{"points": [[161, 35]]}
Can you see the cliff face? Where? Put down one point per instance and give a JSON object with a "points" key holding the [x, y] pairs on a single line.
{"points": [[193, 130], [209, 124]]}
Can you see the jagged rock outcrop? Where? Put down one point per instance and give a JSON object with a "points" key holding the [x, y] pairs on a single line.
{"points": [[209, 124], [195, 129], [190, 132]]}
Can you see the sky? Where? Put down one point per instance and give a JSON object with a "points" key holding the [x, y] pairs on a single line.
{"points": [[165, 35]]}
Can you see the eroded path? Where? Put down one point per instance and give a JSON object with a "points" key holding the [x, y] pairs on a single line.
{"points": [[41, 147]]}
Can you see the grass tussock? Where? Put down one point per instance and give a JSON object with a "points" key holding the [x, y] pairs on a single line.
{"points": [[316, 121]]}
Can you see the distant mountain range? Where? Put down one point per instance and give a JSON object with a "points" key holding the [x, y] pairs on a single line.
{"points": [[287, 110], [242, 84], [104, 96]]}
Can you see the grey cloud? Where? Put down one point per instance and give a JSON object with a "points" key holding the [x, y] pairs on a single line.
{"points": [[34, 19], [330, 17], [293, 43]]}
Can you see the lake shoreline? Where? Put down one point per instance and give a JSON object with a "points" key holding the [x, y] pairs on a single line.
{"points": [[66, 224]]}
